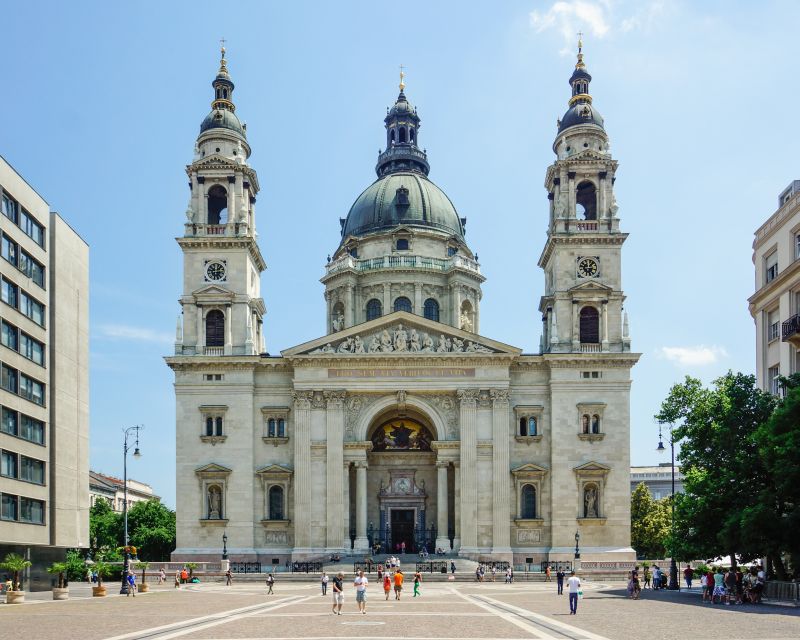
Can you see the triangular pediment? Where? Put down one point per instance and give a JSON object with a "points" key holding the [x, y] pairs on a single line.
{"points": [[213, 161], [591, 286], [401, 333], [529, 469], [212, 468], [212, 292], [592, 466], [274, 470]]}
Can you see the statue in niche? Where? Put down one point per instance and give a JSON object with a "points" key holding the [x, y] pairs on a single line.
{"points": [[386, 342], [414, 344], [358, 345], [590, 501], [427, 344], [375, 345], [561, 204], [613, 207], [214, 503], [465, 322], [400, 338], [338, 322]]}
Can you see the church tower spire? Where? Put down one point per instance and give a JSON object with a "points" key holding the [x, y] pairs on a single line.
{"points": [[582, 309], [222, 309], [402, 136]]}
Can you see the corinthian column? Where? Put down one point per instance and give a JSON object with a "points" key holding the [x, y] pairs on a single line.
{"points": [[468, 418], [302, 468], [501, 492], [361, 543], [335, 460], [346, 505], [442, 541]]}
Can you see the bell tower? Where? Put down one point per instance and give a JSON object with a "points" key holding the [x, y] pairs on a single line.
{"points": [[582, 308], [221, 307]]}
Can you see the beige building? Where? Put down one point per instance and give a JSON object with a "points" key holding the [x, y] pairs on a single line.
{"points": [[658, 479], [403, 424], [112, 490], [775, 305], [44, 379]]}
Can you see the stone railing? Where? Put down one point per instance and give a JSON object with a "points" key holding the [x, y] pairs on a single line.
{"points": [[590, 347], [403, 262], [214, 351]]}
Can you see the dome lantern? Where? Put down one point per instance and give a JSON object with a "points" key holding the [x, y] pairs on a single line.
{"points": [[402, 136], [581, 110]]}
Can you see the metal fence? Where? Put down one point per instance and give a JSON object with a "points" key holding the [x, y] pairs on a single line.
{"points": [[307, 567], [433, 566], [774, 590], [245, 567]]}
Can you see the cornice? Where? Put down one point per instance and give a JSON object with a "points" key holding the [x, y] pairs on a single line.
{"points": [[580, 360], [226, 363], [579, 238], [775, 287], [229, 242]]}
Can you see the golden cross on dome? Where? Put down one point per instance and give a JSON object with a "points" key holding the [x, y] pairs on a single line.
{"points": [[580, 41], [222, 42], [402, 76]]}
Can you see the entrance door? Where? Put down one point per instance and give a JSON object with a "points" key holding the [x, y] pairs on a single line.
{"points": [[403, 530]]}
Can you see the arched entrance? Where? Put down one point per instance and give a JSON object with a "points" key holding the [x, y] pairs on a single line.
{"points": [[403, 483]]}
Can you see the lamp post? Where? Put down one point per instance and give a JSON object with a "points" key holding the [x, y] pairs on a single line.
{"points": [[224, 546], [577, 550], [129, 432], [673, 566]]}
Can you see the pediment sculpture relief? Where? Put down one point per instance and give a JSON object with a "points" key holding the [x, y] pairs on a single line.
{"points": [[402, 340]]}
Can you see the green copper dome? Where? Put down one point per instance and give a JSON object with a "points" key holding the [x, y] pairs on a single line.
{"points": [[402, 198]]}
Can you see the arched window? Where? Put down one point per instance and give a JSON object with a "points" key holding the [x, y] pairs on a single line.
{"points": [[402, 244], [523, 426], [590, 325], [209, 426], [215, 328], [374, 309], [391, 136], [218, 423], [431, 310], [411, 135], [271, 428], [281, 428], [532, 431], [585, 423], [225, 93], [402, 304], [528, 502], [217, 205], [586, 201], [276, 503], [402, 134], [595, 423]]}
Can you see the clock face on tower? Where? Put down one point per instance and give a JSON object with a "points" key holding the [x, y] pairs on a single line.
{"points": [[587, 267], [215, 271]]}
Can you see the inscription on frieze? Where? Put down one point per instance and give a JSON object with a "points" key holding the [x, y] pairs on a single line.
{"points": [[402, 372]]}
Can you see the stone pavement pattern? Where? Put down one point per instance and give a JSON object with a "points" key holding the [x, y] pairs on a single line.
{"points": [[445, 611]]}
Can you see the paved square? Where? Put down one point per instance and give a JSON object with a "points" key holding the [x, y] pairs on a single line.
{"points": [[445, 611]]}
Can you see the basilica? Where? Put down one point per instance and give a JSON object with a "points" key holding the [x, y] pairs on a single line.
{"points": [[403, 427]]}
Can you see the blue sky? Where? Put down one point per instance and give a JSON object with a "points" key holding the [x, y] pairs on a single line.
{"points": [[104, 101]]}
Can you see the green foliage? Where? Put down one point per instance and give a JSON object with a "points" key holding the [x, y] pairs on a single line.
{"points": [[151, 528], [76, 567], [105, 529], [143, 566], [60, 568], [16, 564], [191, 566], [650, 523], [720, 461], [103, 569]]}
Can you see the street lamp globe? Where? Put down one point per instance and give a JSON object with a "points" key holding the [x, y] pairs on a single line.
{"points": [[136, 453]]}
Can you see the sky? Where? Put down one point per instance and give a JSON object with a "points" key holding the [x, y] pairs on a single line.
{"points": [[104, 102]]}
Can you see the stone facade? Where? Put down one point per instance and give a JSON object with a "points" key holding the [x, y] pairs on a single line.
{"points": [[403, 424]]}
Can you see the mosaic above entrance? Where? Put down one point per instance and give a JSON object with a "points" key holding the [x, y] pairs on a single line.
{"points": [[402, 435]]}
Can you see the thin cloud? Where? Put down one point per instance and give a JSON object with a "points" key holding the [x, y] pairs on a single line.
{"points": [[134, 334], [697, 356]]}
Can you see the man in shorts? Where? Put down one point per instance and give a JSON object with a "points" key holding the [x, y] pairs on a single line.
{"points": [[338, 593], [398, 584], [360, 583]]}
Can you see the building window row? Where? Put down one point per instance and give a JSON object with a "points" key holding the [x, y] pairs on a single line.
{"points": [[17, 382], [771, 267], [19, 467], [17, 298], [214, 425], [22, 260], [590, 423], [21, 426], [430, 308], [276, 428], [24, 220], [21, 509], [21, 342]]}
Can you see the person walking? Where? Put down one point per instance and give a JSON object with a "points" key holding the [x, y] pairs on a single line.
{"points": [[184, 575], [131, 580], [360, 583], [398, 584], [417, 580], [270, 583], [647, 577], [688, 574], [452, 568], [387, 584], [338, 593], [574, 584], [560, 581], [162, 576], [228, 578], [547, 574], [178, 579], [324, 583]]}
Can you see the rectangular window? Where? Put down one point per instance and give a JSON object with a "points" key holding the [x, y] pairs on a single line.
{"points": [[8, 464], [771, 263], [31, 389], [9, 421], [31, 348], [797, 246], [32, 308], [10, 209], [773, 325], [9, 293], [31, 268], [32, 228], [31, 470], [772, 379], [8, 378], [9, 335], [8, 510], [31, 510], [9, 250], [32, 429]]}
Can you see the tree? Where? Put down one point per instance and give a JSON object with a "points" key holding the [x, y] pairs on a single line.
{"points": [[650, 522], [151, 528], [16, 564], [105, 529], [719, 459], [61, 569]]}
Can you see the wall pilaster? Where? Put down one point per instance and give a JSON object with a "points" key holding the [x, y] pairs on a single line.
{"points": [[468, 418], [302, 472], [501, 506], [335, 459]]}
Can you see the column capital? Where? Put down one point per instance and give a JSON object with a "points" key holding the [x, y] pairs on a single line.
{"points": [[361, 464], [335, 399], [499, 396], [468, 397], [302, 399], [442, 464]]}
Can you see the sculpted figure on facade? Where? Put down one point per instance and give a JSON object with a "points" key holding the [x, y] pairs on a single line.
{"points": [[358, 345], [590, 501], [375, 345], [427, 343], [214, 503], [414, 344], [400, 338], [465, 322]]}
